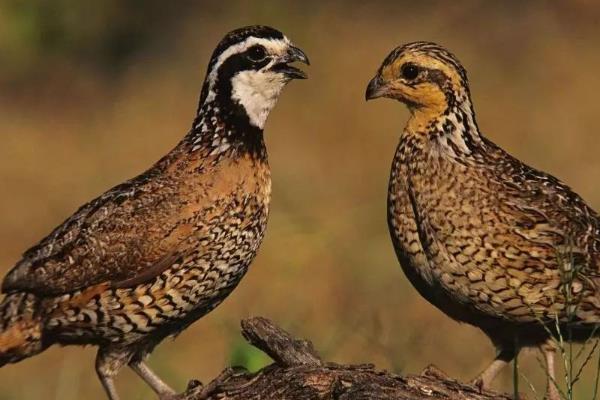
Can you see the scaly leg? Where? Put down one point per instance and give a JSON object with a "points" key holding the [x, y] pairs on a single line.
{"points": [[108, 364], [503, 358], [549, 351], [163, 390]]}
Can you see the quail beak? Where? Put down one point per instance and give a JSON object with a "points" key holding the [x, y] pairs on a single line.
{"points": [[375, 89], [293, 54]]}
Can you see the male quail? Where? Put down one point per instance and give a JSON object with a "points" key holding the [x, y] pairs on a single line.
{"points": [[152, 255]]}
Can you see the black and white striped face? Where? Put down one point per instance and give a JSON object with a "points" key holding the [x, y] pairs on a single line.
{"points": [[248, 71]]}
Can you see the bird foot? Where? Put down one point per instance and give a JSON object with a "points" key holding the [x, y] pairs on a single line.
{"points": [[207, 390], [434, 372], [170, 396], [194, 383], [479, 384], [223, 376], [552, 393]]}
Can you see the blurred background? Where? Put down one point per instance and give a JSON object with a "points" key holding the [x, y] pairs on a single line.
{"points": [[92, 93]]}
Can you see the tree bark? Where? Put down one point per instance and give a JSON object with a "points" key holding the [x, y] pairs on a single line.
{"points": [[298, 373]]}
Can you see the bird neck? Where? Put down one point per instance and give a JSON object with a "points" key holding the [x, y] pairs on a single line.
{"points": [[221, 129], [452, 129]]}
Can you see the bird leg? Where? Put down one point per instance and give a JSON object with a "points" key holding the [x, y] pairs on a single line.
{"points": [[548, 349], [108, 364], [503, 358], [163, 390], [108, 383]]}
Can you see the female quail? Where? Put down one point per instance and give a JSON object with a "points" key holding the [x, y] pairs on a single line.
{"points": [[485, 238]]}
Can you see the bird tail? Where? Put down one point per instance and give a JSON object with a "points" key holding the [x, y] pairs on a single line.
{"points": [[20, 328]]}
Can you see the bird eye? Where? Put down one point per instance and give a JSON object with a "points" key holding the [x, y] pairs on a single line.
{"points": [[409, 71], [257, 53]]}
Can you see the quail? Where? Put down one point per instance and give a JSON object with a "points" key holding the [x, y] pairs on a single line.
{"points": [[152, 255], [485, 238]]}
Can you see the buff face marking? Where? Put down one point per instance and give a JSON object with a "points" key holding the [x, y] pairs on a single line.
{"points": [[479, 233]]}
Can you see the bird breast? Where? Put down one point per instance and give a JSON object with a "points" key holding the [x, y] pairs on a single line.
{"points": [[231, 191]]}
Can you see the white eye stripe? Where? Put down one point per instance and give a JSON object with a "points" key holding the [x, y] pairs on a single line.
{"points": [[273, 46]]}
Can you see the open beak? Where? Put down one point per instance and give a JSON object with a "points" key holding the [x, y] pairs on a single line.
{"points": [[375, 89], [293, 54]]}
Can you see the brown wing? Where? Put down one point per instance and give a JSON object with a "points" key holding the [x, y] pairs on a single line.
{"points": [[509, 241], [126, 235], [545, 211], [547, 254], [544, 220]]}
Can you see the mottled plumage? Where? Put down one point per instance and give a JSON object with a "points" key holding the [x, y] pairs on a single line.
{"points": [[152, 255], [485, 238]]}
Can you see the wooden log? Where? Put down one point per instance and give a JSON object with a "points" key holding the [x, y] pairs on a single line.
{"points": [[298, 373]]}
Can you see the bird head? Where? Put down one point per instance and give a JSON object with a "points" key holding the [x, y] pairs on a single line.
{"points": [[423, 75], [248, 71]]}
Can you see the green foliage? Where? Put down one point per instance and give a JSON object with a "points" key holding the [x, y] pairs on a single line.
{"points": [[244, 355], [100, 34]]}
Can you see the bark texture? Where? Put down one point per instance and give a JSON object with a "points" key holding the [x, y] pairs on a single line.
{"points": [[298, 373]]}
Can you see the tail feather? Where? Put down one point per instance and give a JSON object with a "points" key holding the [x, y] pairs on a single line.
{"points": [[20, 328]]}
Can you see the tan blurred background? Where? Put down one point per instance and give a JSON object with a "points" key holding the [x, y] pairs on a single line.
{"points": [[92, 93]]}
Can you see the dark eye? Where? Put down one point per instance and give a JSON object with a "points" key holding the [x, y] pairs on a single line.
{"points": [[257, 53], [409, 71]]}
